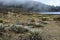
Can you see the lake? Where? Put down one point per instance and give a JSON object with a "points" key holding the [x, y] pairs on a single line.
{"points": [[49, 12]]}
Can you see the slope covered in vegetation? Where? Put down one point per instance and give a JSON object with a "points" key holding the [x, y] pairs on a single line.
{"points": [[18, 24]]}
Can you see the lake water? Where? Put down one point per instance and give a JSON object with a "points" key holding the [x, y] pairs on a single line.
{"points": [[49, 12]]}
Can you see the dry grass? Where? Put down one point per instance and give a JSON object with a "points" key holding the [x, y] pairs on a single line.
{"points": [[49, 32]]}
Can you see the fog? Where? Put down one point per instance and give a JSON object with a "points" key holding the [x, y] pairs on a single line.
{"points": [[11, 2], [48, 2], [32, 5]]}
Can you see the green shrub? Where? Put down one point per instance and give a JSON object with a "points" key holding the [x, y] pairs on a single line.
{"points": [[35, 36], [2, 29], [18, 29]]}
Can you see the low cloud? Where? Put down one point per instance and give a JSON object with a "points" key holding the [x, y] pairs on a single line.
{"points": [[10, 2]]}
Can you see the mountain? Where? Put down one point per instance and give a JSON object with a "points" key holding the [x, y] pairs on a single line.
{"points": [[31, 6], [36, 6]]}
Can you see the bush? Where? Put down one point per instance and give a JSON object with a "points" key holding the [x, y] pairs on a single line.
{"points": [[35, 36], [30, 24], [32, 20], [37, 26], [57, 19], [44, 19], [1, 21], [18, 29], [2, 29]]}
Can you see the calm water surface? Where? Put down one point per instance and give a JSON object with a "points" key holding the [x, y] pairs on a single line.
{"points": [[49, 12]]}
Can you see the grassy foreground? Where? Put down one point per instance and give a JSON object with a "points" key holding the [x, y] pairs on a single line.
{"points": [[14, 26]]}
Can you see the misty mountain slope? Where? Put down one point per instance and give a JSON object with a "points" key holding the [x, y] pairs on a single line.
{"points": [[40, 7], [29, 6], [35, 6]]}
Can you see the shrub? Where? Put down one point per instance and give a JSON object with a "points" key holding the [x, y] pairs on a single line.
{"points": [[30, 24], [2, 29], [44, 19], [57, 19], [37, 25], [18, 29], [35, 36], [1, 21], [32, 20]]}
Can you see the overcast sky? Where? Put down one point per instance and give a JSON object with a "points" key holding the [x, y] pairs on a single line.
{"points": [[48, 2]]}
